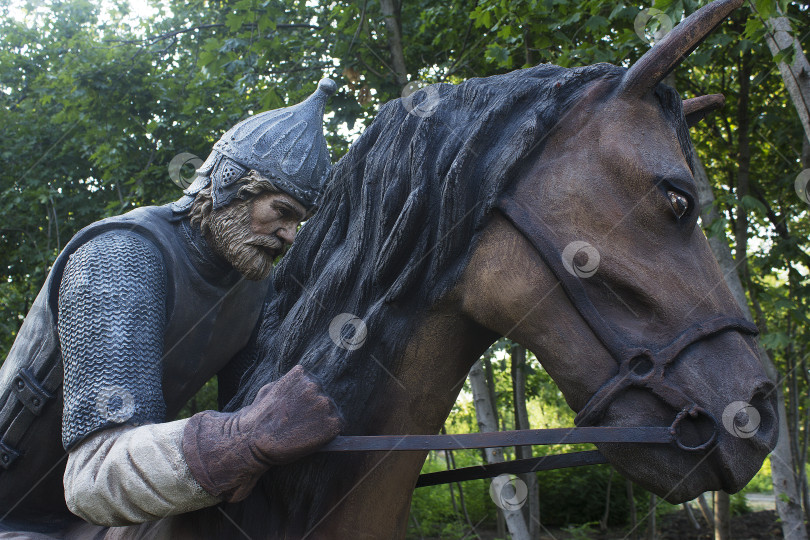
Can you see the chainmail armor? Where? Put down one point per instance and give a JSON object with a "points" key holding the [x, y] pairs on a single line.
{"points": [[112, 317]]}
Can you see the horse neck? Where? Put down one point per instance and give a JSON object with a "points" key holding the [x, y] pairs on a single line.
{"points": [[431, 371], [368, 494]]}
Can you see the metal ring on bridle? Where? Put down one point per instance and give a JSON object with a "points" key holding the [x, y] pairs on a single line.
{"points": [[694, 412]]}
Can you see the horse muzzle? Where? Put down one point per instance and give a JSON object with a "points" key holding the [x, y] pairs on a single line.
{"points": [[715, 446]]}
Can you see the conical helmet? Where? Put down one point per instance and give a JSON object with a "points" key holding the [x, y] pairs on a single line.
{"points": [[286, 146]]}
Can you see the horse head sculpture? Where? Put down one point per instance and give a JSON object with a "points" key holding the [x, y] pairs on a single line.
{"points": [[652, 339], [553, 206]]}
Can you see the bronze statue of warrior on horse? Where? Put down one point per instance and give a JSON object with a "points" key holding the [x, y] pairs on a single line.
{"points": [[554, 206]]}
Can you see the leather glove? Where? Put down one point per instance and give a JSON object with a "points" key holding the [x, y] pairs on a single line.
{"points": [[228, 452]]}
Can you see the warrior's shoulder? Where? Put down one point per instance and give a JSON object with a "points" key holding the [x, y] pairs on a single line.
{"points": [[149, 229], [151, 226], [149, 219]]}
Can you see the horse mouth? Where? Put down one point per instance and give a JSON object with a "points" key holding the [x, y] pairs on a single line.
{"points": [[721, 450]]}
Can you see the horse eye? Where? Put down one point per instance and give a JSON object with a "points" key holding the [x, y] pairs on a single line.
{"points": [[680, 204]]}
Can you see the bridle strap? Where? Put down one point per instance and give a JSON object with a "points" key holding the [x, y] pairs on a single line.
{"points": [[532, 227], [516, 466], [639, 366], [494, 439]]}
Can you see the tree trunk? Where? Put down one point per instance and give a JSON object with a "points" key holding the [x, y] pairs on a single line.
{"points": [[690, 515], [522, 422], [722, 516], [651, 525], [451, 464], [706, 510], [782, 469], [603, 523], [795, 75], [391, 12], [743, 166], [417, 526], [628, 484], [487, 422], [489, 375]]}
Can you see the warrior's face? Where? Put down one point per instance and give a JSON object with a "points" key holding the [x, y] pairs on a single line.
{"points": [[251, 233]]}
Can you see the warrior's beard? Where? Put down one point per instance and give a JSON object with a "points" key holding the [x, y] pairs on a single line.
{"points": [[230, 236]]}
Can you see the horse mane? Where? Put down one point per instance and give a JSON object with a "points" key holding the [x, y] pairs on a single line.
{"points": [[400, 216]]}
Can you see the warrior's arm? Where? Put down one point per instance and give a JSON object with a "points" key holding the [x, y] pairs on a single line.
{"points": [[126, 475], [111, 324], [130, 474], [120, 471]]}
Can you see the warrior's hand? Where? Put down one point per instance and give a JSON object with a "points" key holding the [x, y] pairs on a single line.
{"points": [[288, 419]]}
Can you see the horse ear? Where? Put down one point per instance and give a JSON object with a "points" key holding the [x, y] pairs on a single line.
{"points": [[695, 109], [665, 56]]}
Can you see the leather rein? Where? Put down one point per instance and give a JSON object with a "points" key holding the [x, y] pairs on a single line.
{"points": [[638, 367]]}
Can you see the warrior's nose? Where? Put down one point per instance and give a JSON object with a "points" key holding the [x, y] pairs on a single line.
{"points": [[286, 234]]}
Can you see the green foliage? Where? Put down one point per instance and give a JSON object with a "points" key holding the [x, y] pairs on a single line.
{"points": [[738, 504], [582, 532], [579, 496], [432, 507], [204, 400]]}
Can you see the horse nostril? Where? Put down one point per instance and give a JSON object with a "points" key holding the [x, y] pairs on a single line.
{"points": [[754, 419], [764, 402]]}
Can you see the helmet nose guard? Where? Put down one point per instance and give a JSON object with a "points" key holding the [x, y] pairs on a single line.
{"points": [[284, 145]]}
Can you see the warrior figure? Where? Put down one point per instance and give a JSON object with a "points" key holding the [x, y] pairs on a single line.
{"points": [[137, 313]]}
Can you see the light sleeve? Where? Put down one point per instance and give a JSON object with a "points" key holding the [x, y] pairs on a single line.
{"points": [[127, 475]]}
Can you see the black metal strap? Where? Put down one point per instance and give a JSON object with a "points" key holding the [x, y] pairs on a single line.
{"points": [[30, 392], [7, 455], [32, 395], [656, 435], [517, 466]]}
